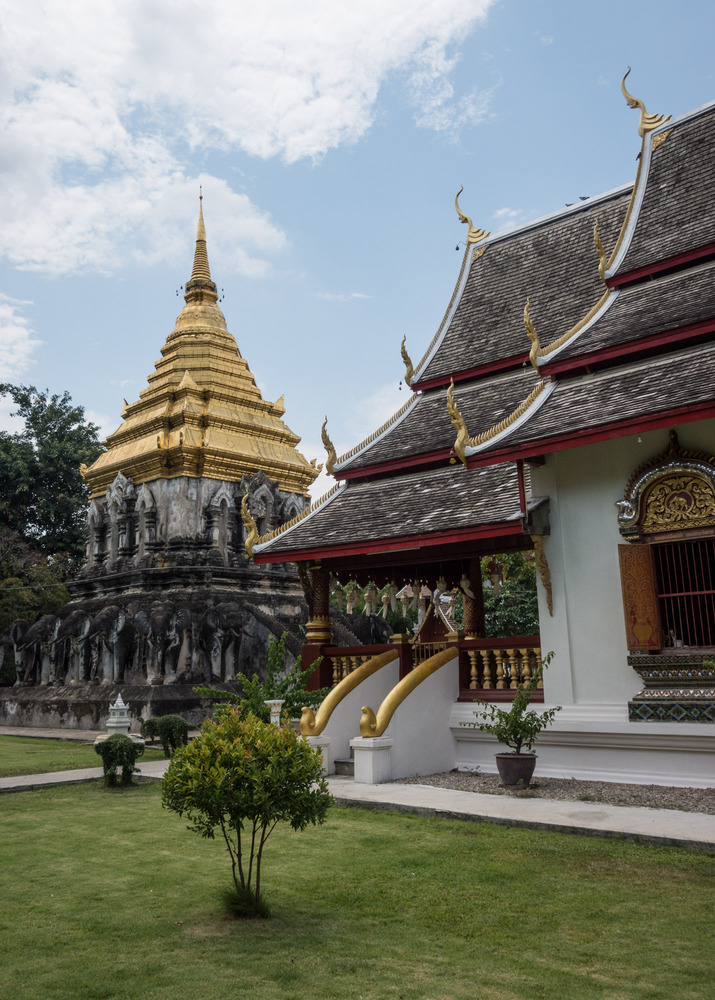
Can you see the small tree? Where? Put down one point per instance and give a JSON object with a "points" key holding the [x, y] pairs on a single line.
{"points": [[515, 727], [243, 777]]}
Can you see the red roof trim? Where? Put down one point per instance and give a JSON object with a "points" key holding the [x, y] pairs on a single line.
{"points": [[397, 544], [592, 435], [662, 265], [631, 347], [440, 381]]}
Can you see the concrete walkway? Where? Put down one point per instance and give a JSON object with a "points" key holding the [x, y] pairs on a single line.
{"points": [[657, 826]]}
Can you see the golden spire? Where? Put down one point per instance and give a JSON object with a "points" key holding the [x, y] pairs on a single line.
{"points": [[647, 121], [202, 397], [200, 279]]}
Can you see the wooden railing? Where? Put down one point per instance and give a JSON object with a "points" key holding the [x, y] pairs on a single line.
{"points": [[493, 669], [489, 669]]}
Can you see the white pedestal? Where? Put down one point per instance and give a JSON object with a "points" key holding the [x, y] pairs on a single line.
{"points": [[322, 743], [372, 759]]}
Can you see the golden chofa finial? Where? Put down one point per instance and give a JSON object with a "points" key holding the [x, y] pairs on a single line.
{"points": [[250, 526], [647, 121], [474, 235], [602, 261], [409, 370], [533, 337], [330, 448], [462, 440]]}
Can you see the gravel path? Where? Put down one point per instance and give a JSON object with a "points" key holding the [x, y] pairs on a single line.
{"points": [[700, 800]]}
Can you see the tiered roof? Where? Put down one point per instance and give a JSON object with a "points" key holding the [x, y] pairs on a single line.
{"points": [[202, 413], [619, 336]]}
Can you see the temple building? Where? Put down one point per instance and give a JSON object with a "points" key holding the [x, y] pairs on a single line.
{"points": [[565, 407], [167, 598]]}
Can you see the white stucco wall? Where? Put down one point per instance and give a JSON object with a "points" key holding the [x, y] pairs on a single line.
{"points": [[587, 631]]}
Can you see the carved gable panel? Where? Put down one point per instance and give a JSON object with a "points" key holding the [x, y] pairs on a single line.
{"points": [[674, 491]]}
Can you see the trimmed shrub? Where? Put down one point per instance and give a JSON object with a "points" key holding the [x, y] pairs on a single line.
{"points": [[119, 751], [171, 730]]}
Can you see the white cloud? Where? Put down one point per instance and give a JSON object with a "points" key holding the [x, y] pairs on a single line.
{"points": [[16, 339], [107, 425], [341, 296], [103, 104], [508, 218]]}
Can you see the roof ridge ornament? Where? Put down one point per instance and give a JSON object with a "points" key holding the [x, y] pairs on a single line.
{"points": [[647, 122], [409, 369], [533, 337], [602, 256], [250, 526], [474, 235], [330, 448], [459, 425], [464, 441]]}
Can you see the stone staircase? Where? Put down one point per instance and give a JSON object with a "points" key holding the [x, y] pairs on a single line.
{"points": [[345, 766]]}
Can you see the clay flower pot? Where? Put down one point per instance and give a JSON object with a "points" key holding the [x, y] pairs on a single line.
{"points": [[515, 768]]}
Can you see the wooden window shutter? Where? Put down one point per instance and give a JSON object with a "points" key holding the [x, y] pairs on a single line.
{"points": [[640, 606]]}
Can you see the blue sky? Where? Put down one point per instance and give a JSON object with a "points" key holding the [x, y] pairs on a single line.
{"points": [[330, 138]]}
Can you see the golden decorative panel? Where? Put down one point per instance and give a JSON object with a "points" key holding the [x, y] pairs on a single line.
{"points": [[673, 491], [680, 501]]}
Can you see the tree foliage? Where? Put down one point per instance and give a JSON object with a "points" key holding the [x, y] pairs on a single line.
{"points": [[42, 495], [510, 603], [242, 777], [277, 682]]}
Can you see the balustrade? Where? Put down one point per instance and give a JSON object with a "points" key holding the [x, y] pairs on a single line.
{"points": [[498, 665], [490, 669]]}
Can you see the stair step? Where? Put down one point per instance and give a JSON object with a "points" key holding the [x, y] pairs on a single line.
{"points": [[345, 766]]}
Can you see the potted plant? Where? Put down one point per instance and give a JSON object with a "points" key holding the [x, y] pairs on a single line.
{"points": [[516, 727]]}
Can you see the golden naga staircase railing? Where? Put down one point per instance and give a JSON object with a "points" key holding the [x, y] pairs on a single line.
{"points": [[375, 725], [312, 724]]}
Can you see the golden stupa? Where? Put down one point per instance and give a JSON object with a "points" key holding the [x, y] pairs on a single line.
{"points": [[202, 415]]}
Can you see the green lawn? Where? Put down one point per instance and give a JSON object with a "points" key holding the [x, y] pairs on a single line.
{"points": [[23, 755], [108, 897]]}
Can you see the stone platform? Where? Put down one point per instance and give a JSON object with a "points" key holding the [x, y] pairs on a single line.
{"points": [[86, 706]]}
